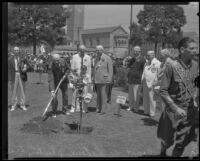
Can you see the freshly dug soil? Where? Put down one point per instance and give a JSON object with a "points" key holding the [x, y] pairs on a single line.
{"points": [[38, 126]]}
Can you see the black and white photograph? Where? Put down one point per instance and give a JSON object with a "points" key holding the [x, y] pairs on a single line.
{"points": [[102, 80]]}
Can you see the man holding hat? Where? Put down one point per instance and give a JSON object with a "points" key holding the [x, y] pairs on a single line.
{"points": [[103, 73], [17, 70], [57, 68]]}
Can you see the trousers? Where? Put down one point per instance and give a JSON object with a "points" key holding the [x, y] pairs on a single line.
{"points": [[149, 102], [18, 90], [133, 95], [101, 97]]}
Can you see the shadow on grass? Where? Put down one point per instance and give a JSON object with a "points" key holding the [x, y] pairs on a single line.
{"points": [[149, 122]]}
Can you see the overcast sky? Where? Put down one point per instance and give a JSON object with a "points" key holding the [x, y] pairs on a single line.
{"points": [[110, 15]]}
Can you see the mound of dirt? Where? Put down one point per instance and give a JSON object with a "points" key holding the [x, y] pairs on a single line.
{"points": [[38, 126]]}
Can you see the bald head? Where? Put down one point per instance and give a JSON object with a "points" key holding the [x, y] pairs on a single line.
{"points": [[56, 56], [137, 48], [100, 48], [82, 50], [82, 47], [16, 50]]}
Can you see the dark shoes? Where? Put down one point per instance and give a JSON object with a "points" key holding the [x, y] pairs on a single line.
{"points": [[109, 101]]}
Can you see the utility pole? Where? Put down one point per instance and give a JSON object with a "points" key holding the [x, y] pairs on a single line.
{"points": [[78, 42], [129, 45]]}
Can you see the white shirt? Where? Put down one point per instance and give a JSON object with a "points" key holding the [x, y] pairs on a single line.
{"points": [[42, 50], [76, 64], [150, 72], [16, 63]]}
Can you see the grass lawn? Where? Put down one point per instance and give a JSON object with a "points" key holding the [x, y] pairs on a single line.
{"points": [[132, 135]]}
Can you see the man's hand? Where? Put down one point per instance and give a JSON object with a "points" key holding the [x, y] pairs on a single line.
{"points": [[180, 113], [53, 93], [25, 68]]}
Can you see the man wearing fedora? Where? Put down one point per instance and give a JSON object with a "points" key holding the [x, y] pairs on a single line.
{"points": [[17, 75]]}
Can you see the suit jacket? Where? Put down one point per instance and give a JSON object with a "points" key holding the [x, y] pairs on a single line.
{"points": [[103, 70], [11, 69], [56, 71], [76, 64]]}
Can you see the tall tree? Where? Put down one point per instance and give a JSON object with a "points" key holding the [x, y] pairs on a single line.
{"points": [[162, 22], [29, 24], [137, 36]]}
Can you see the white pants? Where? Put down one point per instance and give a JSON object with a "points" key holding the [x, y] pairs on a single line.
{"points": [[133, 96], [149, 103], [17, 87]]}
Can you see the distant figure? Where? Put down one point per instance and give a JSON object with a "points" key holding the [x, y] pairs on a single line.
{"points": [[17, 75], [110, 85], [42, 49]]}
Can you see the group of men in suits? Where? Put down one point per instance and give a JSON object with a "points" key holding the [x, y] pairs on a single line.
{"points": [[101, 78], [98, 75]]}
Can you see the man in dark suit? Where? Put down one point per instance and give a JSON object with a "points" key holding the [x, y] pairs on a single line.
{"points": [[17, 75], [103, 73], [57, 68]]}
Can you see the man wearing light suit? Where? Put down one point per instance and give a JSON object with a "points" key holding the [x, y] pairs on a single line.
{"points": [[103, 73], [148, 82], [76, 66], [17, 75]]}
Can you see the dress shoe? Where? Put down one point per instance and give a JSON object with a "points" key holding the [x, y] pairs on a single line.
{"points": [[23, 107], [72, 110], [54, 115], [13, 108]]}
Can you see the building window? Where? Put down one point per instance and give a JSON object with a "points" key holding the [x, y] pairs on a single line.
{"points": [[98, 42], [91, 42], [116, 43]]}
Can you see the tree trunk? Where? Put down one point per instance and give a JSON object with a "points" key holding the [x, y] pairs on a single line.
{"points": [[163, 44], [155, 48], [34, 40]]}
